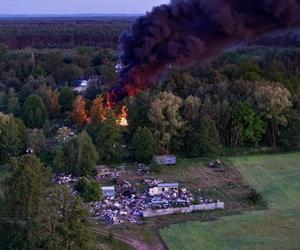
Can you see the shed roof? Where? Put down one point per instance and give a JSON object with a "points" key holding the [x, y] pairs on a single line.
{"points": [[168, 185]]}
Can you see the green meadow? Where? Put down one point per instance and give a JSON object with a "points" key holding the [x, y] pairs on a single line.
{"points": [[277, 178]]}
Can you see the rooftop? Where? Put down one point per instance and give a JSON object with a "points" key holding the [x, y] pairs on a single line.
{"points": [[171, 185]]}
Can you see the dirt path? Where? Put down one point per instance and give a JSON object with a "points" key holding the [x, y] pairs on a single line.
{"points": [[134, 243]]}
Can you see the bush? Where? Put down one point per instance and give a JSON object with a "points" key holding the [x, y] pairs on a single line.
{"points": [[254, 197], [89, 189]]}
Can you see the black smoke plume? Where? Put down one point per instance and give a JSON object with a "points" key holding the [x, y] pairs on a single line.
{"points": [[186, 31]]}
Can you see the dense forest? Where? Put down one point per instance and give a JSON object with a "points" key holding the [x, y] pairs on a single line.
{"points": [[99, 32], [245, 101]]}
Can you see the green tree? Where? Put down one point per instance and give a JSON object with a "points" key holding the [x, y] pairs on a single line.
{"points": [[64, 222], [290, 135], [34, 112], [138, 107], [78, 156], [24, 196], [202, 140], [36, 140], [273, 102], [191, 109], [144, 145], [107, 136], [51, 99], [246, 125], [164, 115], [12, 137], [66, 98], [89, 189], [68, 73], [40, 215], [13, 106]]}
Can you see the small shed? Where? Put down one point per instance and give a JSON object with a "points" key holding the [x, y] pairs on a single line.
{"points": [[109, 191], [164, 188], [165, 159]]}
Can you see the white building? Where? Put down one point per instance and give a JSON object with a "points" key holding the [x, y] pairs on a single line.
{"points": [[164, 188], [109, 191]]}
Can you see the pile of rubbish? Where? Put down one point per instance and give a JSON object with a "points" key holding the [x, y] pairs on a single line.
{"points": [[121, 209], [142, 169], [215, 164], [128, 206], [172, 199], [151, 182], [64, 179], [125, 188], [111, 175]]}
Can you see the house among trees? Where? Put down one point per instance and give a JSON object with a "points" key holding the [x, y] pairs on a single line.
{"points": [[162, 188]]}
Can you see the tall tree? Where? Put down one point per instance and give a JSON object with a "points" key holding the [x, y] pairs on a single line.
{"points": [[164, 115], [36, 140], [39, 215], [273, 101], [246, 125], [290, 135], [78, 156], [191, 109], [107, 136], [24, 197], [66, 98], [34, 112], [98, 112], [12, 137], [79, 111], [202, 140], [51, 99], [144, 145], [64, 221]]}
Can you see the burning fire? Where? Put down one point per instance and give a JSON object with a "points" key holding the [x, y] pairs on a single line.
{"points": [[122, 117]]}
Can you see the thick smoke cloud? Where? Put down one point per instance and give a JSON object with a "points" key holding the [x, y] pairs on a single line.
{"points": [[186, 31]]}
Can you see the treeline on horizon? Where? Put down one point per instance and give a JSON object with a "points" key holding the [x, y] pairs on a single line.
{"points": [[63, 32]]}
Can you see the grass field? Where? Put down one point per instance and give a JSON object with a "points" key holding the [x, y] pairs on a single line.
{"points": [[277, 177]]}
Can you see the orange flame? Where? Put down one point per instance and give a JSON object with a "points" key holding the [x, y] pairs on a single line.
{"points": [[122, 118]]}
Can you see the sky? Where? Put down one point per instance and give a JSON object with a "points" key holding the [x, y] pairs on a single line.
{"points": [[77, 6]]}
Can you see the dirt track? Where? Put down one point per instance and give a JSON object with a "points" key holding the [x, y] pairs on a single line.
{"points": [[135, 244]]}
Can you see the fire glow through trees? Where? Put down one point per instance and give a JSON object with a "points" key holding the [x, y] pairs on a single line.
{"points": [[122, 117], [187, 31]]}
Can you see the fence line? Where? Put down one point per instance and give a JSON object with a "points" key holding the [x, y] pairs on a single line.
{"points": [[189, 209]]}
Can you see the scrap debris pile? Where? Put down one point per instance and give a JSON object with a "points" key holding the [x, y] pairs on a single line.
{"points": [[104, 174], [151, 182], [129, 206], [64, 179], [124, 203], [142, 169]]}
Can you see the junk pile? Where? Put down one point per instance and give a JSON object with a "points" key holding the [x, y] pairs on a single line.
{"points": [[151, 182], [64, 179], [105, 174], [128, 206], [171, 199], [216, 164], [142, 169]]}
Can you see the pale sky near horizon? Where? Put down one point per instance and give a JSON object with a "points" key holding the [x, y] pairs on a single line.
{"points": [[78, 6]]}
